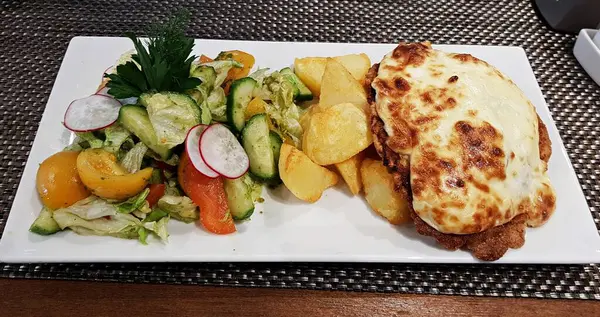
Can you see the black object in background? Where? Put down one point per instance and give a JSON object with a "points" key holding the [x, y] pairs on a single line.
{"points": [[570, 15]]}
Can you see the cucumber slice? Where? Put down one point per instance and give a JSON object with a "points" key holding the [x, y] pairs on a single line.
{"points": [[239, 198], [276, 143], [240, 95], [207, 75], [135, 119], [257, 144], [44, 224], [301, 92]]}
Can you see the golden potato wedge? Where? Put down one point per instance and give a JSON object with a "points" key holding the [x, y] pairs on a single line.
{"points": [[350, 171], [305, 179], [339, 86], [357, 64], [310, 69], [378, 185], [305, 118], [336, 134]]}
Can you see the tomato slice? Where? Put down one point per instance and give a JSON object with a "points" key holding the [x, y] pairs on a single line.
{"points": [[156, 192], [164, 166], [236, 73], [208, 194], [205, 59]]}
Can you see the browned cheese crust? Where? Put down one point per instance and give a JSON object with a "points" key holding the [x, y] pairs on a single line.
{"points": [[488, 245]]}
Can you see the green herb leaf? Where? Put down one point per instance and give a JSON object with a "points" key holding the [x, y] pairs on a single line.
{"points": [[155, 215], [143, 235], [165, 63]]}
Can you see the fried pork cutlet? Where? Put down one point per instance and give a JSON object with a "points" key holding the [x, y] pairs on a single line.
{"points": [[473, 173]]}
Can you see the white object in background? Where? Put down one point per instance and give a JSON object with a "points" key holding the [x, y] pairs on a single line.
{"points": [[597, 38], [587, 52]]}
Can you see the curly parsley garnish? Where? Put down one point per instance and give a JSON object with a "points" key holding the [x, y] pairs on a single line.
{"points": [[165, 64]]}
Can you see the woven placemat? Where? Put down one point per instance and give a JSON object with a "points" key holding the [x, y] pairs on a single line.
{"points": [[34, 36]]}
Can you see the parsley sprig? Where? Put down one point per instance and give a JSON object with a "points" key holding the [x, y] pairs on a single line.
{"points": [[165, 63]]}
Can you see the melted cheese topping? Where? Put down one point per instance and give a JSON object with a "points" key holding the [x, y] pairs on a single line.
{"points": [[472, 137]]}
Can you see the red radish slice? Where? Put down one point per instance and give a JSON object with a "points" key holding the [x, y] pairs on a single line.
{"points": [[103, 92], [92, 113], [126, 101], [109, 70], [193, 150], [222, 152]]}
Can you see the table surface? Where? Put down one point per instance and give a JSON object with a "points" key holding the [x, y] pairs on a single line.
{"points": [[35, 36], [69, 298]]}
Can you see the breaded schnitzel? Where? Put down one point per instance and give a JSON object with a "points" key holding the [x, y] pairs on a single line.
{"points": [[465, 146]]}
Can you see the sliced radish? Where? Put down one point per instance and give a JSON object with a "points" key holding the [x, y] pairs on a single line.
{"points": [[192, 148], [127, 101], [103, 92], [109, 70], [222, 152], [92, 113]]}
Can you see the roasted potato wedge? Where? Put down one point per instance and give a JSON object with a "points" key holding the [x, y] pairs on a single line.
{"points": [[336, 134], [305, 179], [378, 185], [310, 69], [357, 64], [350, 171], [339, 86], [305, 118]]}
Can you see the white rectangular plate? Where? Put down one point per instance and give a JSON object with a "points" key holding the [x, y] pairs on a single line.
{"points": [[338, 227]]}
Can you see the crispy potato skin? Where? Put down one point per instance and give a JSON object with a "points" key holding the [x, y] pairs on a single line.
{"points": [[380, 192], [350, 172], [305, 179]]}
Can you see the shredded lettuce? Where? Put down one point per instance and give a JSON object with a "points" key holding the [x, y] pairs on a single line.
{"points": [[255, 188], [156, 177], [222, 68], [124, 58], [95, 216], [155, 215], [132, 160], [91, 208], [282, 109], [93, 141], [143, 235], [139, 214], [133, 203], [172, 188], [119, 225], [173, 160], [208, 81], [179, 207], [171, 118], [259, 75], [116, 135], [216, 103], [78, 144], [206, 113], [159, 228], [209, 94]]}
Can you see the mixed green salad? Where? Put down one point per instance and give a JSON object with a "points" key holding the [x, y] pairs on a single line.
{"points": [[168, 136]]}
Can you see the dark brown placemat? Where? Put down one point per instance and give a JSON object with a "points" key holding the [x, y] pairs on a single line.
{"points": [[34, 36]]}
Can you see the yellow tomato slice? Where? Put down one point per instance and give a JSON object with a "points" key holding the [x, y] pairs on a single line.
{"points": [[104, 177], [58, 181]]}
